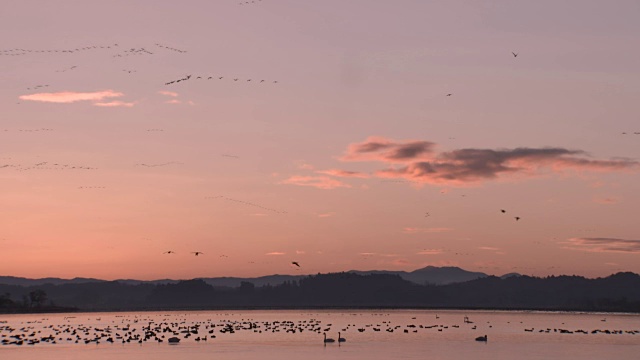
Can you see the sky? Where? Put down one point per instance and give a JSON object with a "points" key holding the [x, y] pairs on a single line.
{"points": [[342, 135]]}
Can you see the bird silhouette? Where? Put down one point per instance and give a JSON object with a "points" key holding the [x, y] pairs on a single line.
{"points": [[341, 339], [196, 253], [514, 54], [449, 94], [295, 263], [517, 218], [169, 252], [328, 340], [503, 211]]}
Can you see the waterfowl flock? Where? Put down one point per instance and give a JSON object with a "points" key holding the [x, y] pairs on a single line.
{"points": [[85, 329]]}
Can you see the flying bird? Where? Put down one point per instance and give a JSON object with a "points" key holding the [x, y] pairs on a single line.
{"points": [[514, 54], [295, 263], [503, 211], [517, 218], [169, 252], [196, 253], [449, 94]]}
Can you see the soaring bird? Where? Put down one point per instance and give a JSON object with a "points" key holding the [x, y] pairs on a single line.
{"points": [[503, 211], [169, 252], [517, 218], [449, 94], [196, 253], [514, 54], [295, 263]]}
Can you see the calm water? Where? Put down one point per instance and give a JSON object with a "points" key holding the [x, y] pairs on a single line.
{"points": [[402, 334]]}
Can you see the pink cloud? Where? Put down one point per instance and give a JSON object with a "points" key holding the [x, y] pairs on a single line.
{"points": [[385, 150], [115, 103], [606, 201], [326, 215], [489, 248], [168, 93], [430, 252], [417, 161], [319, 182], [71, 97], [275, 253], [173, 101], [412, 230], [343, 173], [603, 245]]}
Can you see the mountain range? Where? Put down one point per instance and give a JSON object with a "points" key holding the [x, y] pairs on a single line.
{"points": [[430, 275]]}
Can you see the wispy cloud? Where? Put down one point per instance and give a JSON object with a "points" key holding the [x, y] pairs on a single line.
{"points": [[275, 253], [300, 252], [413, 230], [606, 200], [430, 252], [418, 161], [324, 215], [168, 93], [173, 101], [489, 248], [343, 173], [603, 245], [68, 97], [115, 103], [380, 149], [320, 182]]}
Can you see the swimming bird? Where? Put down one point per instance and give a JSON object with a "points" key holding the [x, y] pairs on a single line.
{"points": [[295, 263], [196, 253], [341, 339], [482, 338], [328, 340]]}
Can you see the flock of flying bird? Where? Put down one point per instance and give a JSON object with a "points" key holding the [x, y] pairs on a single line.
{"points": [[188, 77]]}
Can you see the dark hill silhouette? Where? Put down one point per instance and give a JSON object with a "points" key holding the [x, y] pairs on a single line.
{"points": [[428, 275], [618, 292]]}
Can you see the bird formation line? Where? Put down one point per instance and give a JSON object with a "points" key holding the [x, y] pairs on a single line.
{"points": [[133, 52], [517, 218], [45, 165], [37, 87], [161, 164], [235, 79], [154, 130], [59, 51], [170, 48], [249, 2], [29, 130], [67, 69]]}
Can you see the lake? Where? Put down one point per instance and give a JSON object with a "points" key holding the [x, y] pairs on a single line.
{"points": [[298, 334]]}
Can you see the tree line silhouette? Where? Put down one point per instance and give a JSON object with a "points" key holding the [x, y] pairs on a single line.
{"points": [[616, 293]]}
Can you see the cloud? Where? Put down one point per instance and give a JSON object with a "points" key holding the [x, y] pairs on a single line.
{"points": [[173, 101], [489, 248], [276, 253], [343, 173], [606, 201], [68, 97], [324, 215], [115, 103], [381, 149], [300, 252], [417, 161], [168, 93], [430, 252], [320, 182], [412, 230], [603, 245]]}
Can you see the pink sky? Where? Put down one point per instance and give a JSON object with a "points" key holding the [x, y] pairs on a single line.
{"points": [[349, 155]]}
